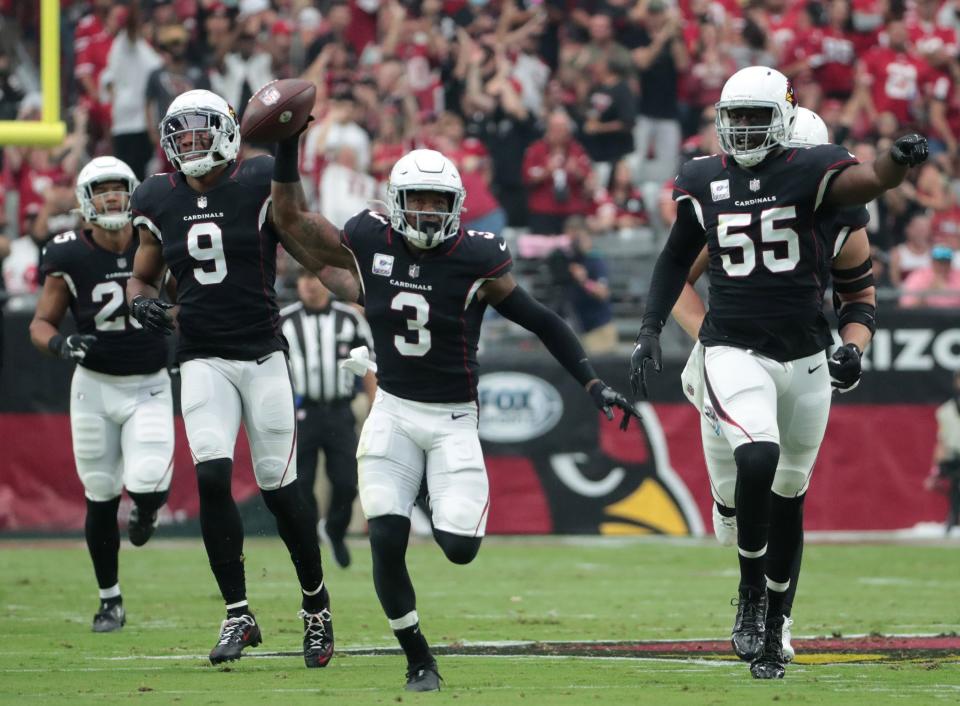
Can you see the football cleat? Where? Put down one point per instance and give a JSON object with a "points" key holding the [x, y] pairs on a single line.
{"points": [[317, 637], [235, 634], [725, 528], [748, 629], [788, 652], [109, 618], [770, 663], [423, 678], [141, 527]]}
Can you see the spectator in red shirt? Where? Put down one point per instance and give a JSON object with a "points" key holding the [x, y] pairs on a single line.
{"points": [[834, 58], [620, 206], [712, 66], [889, 78], [482, 212], [556, 170]]}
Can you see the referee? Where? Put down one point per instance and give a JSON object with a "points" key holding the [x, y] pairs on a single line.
{"points": [[321, 333]]}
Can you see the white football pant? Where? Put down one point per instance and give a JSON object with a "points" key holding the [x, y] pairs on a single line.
{"points": [[122, 429], [401, 440], [744, 397], [216, 393]]}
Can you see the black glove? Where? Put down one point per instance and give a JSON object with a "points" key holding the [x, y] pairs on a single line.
{"points": [[910, 150], [647, 351], [606, 398], [72, 347], [152, 314], [844, 366]]}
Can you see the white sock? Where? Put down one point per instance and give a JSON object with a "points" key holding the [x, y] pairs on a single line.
{"points": [[112, 592]]}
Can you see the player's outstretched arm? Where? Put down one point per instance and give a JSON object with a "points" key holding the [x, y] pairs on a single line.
{"points": [[312, 240], [856, 303], [686, 240], [690, 311], [143, 287], [44, 328], [862, 183], [515, 303]]}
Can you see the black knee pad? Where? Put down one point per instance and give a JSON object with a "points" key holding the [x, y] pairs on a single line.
{"points": [[389, 535], [149, 502], [758, 460], [458, 549], [213, 478]]}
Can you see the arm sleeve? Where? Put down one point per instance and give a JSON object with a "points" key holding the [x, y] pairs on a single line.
{"points": [[560, 340], [670, 273]]}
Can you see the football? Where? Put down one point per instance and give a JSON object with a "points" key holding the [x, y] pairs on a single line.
{"points": [[278, 110]]}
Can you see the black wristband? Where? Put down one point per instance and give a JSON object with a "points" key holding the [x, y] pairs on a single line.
{"points": [[286, 166], [55, 344]]}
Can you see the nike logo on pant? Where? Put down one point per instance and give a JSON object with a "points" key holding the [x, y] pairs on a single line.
{"points": [[458, 416], [813, 370], [261, 361]]}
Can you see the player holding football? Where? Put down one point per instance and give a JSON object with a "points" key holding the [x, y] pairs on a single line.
{"points": [[765, 376], [208, 223], [121, 408], [843, 234], [425, 284]]}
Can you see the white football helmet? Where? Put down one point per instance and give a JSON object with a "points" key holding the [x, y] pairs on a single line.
{"points": [[809, 130], [424, 170], [97, 171], [755, 87], [206, 117]]}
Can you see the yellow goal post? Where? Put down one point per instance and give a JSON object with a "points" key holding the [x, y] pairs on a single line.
{"points": [[49, 130]]}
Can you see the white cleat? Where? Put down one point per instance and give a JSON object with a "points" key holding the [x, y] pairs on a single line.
{"points": [[725, 528], [788, 652]]}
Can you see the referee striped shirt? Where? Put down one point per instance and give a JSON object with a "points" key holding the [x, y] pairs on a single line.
{"points": [[319, 339]]}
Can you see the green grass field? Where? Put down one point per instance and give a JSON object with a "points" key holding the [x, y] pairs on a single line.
{"points": [[518, 589]]}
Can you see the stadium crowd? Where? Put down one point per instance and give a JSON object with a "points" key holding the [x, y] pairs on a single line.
{"points": [[552, 109]]}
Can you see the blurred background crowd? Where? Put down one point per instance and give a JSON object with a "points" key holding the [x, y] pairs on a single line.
{"points": [[567, 118]]}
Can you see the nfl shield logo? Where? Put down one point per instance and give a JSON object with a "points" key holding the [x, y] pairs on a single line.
{"points": [[414, 271], [754, 185], [121, 262], [201, 202]]}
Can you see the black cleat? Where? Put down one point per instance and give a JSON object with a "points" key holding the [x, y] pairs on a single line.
{"points": [[141, 528], [747, 636], [235, 634], [341, 553], [423, 678], [770, 664], [109, 618], [317, 637]]}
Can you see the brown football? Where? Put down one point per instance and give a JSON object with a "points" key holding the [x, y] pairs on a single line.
{"points": [[278, 110]]}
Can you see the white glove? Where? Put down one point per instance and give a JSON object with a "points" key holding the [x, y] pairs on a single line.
{"points": [[359, 362]]}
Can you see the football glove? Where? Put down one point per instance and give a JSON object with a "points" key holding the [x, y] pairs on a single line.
{"points": [[910, 150], [152, 314], [647, 351], [606, 398], [359, 362], [844, 366], [72, 347]]}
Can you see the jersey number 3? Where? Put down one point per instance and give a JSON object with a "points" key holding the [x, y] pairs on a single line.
{"points": [[418, 324], [770, 234]]}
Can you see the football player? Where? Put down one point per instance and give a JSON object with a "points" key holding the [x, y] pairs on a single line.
{"points": [[425, 284], [844, 234], [208, 223], [766, 377], [121, 408]]}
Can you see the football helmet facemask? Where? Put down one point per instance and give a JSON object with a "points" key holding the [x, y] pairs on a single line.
{"points": [[809, 130], [99, 171], [204, 123], [755, 114], [425, 170]]}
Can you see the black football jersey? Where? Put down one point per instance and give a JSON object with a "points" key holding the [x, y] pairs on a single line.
{"points": [[422, 306], [769, 257], [223, 253], [97, 280]]}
